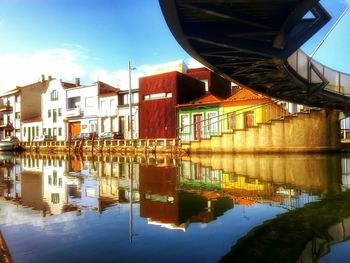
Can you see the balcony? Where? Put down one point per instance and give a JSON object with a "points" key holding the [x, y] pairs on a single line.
{"points": [[5, 107], [74, 112]]}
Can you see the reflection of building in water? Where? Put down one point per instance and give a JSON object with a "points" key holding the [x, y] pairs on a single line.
{"points": [[318, 247], [345, 172], [246, 190], [163, 204], [115, 180], [10, 177]]}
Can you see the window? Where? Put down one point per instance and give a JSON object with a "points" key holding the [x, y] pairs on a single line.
{"points": [[24, 132], [37, 131], [59, 112], [231, 120], [113, 107], [185, 122], [44, 131], [249, 119], [104, 110], [89, 102], [59, 131], [55, 198], [54, 116], [17, 98], [54, 95], [212, 121], [18, 115], [158, 96], [205, 81], [49, 113]]}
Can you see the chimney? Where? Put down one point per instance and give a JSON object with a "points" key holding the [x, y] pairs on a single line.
{"points": [[42, 78], [77, 82], [50, 77]]}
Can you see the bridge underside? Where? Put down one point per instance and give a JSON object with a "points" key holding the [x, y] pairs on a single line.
{"points": [[249, 42]]}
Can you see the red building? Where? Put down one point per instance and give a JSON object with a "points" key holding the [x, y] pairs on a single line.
{"points": [[159, 95], [214, 83]]}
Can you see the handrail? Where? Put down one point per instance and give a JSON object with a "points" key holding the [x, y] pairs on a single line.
{"points": [[222, 117]]}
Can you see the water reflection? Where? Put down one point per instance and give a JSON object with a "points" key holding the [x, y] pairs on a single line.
{"points": [[167, 192]]}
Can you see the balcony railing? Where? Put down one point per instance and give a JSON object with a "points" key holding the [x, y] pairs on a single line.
{"points": [[5, 107], [74, 112]]}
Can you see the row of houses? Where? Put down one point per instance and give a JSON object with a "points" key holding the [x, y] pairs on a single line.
{"points": [[185, 103], [61, 110]]}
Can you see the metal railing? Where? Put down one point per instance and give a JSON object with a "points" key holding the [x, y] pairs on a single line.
{"points": [[313, 71], [216, 126]]}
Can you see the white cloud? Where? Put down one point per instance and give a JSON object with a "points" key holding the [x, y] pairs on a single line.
{"points": [[192, 63], [22, 69], [120, 78]]}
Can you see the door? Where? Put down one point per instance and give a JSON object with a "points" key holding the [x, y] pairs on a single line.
{"points": [[74, 128], [122, 125], [249, 119], [198, 126], [29, 134]]}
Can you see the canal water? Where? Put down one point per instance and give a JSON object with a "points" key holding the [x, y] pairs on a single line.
{"points": [[240, 208]]}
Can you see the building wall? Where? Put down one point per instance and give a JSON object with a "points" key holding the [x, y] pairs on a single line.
{"points": [[261, 114], [54, 126], [210, 124], [217, 85], [31, 100], [158, 116], [30, 130], [314, 132]]}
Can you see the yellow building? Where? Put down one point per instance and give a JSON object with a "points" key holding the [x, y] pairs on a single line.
{"points": [[247, 109]]}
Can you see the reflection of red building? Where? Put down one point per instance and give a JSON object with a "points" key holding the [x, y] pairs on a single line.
{"points": [[162, 202], [158, 195]]}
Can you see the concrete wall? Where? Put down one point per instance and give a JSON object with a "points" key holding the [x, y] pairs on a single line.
{"points": [[317, 131]]}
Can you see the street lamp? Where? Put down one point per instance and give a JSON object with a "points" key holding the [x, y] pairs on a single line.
{"points": [[130, 102]]}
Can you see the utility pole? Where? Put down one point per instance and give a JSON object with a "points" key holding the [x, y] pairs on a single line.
{"points": [[130, 103]]}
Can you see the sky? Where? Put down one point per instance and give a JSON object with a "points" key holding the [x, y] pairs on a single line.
{"points": [[95, 39]]}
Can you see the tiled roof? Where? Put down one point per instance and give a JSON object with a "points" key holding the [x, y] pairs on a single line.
{"points": [[68, 85], [207, 98], [104, 88], [34, 119], [244, 94]]}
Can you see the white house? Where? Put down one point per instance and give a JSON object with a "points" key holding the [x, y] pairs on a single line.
{"points": [[82, 108], [21, 103], [124, 113], [54, 109]]}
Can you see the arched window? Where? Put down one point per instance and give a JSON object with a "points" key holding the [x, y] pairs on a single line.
{"points": [[54, 95]]}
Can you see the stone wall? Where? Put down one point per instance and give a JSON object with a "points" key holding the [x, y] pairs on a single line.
{"points": [[317, 131]]}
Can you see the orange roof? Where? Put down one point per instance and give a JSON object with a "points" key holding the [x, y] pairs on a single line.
{"points": [[34, 119], [244, 94], [207, 98], [104, 88], [68, 85]]}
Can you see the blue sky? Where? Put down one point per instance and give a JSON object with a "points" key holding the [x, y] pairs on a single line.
{"points": [[95, 39]]}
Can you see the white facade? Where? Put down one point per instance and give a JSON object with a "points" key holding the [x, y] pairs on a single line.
{"points": [[83, 107], [108, 116], [11, 108], [30, 130], [54, 110]]}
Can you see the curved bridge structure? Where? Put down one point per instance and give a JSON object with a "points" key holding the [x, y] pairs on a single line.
{"points": [[255, 43]]}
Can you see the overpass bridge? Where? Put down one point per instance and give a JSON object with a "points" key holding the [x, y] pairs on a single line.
{"points": [[256, 44]]}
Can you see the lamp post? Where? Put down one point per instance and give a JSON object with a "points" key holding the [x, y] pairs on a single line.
{"points": [[130, 102], [131, 162]]}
